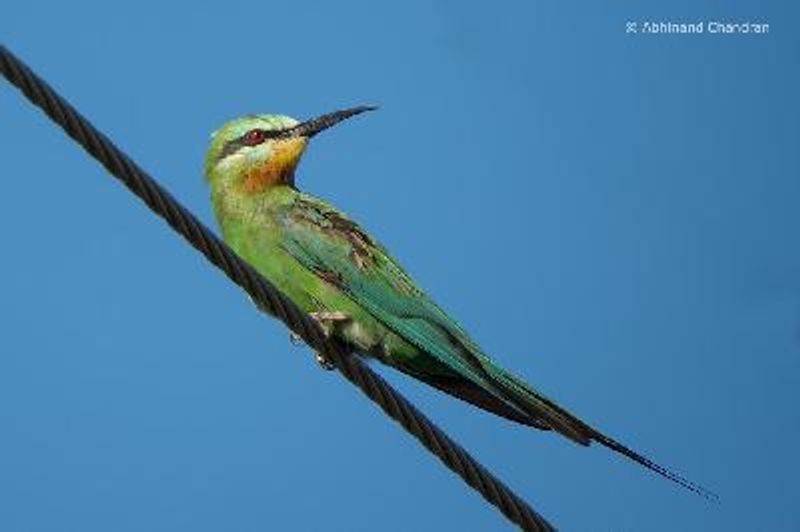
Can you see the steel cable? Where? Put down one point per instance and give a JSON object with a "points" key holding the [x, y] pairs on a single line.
{"points": [[267, 296]]}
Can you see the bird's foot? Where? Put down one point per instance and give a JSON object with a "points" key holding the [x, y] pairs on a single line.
{"points": [[327, 317], [295, 338], [327, 320], [324, 362]]}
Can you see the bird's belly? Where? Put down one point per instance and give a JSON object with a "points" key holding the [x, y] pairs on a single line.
{"points": [[361, 331], [313, 294]]}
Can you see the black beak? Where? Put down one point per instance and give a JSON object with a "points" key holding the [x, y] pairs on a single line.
{"points": [[309, 128]]}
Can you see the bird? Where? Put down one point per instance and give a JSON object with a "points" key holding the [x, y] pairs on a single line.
{"points": [[350, 284]]}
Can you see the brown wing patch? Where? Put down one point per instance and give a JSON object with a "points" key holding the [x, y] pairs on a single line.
{"points": [[335, 224], [360, 242], [364, 252], [331, 277]]}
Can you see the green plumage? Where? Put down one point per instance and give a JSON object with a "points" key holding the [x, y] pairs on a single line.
{"points": [[326, 263]]}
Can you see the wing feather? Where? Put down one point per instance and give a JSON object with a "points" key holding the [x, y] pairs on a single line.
{"points": [[323, 239]]}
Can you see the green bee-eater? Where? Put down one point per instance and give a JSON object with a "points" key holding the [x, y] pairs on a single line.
{"points": [[350, 284]]}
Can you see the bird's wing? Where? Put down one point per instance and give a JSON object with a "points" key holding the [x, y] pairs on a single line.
{"points": [[335, 248], [331, 245]]}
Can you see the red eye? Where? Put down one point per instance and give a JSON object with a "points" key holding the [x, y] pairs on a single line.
{"points": [[254, 136]]}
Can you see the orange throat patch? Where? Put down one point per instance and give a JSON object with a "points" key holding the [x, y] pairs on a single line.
{"points": [[279, 169]]}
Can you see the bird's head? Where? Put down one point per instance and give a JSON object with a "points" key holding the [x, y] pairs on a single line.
{"points": [[257, 152]]}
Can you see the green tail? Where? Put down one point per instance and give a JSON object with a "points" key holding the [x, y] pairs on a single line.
{"points": [[429, 344], [539, 407]]}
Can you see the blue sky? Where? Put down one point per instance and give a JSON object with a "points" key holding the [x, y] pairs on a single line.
{"points": [[612, 216]]}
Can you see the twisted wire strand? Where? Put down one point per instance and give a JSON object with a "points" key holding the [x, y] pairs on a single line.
{"points": [[267, 296]]}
